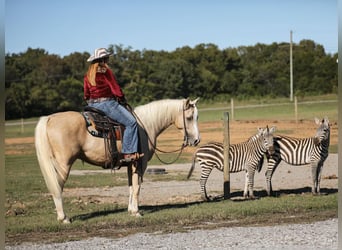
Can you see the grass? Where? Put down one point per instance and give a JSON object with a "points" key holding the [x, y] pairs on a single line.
{"points": [[30, 214], [30, 211], [284, 111]]}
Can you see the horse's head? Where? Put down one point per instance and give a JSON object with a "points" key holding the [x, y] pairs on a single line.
{"points": [[187, 121], [323, 130]]}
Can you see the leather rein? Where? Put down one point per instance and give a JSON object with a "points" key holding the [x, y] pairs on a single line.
{"points": [[156, 149]]}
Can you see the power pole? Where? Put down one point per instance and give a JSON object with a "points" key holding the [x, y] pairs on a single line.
{"points": [[291, 69]]}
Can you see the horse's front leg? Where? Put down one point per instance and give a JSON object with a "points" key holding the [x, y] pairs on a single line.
{"points": [[134, 182]]}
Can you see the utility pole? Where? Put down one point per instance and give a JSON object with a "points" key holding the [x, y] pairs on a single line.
{"points": [[291, 69]]}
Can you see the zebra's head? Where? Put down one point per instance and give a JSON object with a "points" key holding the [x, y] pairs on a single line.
{"points": [[267, 137], [323, 131]]}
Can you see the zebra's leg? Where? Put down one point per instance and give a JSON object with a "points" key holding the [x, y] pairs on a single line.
{"points": [[316, 168], [271, 167], [314, 173], [205, 172], [245, 191], [251, 182], [319, 174]]}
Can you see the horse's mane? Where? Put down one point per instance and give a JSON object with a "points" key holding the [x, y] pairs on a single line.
{"points": [[160, 110]]}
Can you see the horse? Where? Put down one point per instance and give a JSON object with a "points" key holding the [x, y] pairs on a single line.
{"points": [[62, 138]]}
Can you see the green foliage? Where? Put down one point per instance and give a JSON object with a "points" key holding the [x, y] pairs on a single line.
{"points": [[38, 83]]}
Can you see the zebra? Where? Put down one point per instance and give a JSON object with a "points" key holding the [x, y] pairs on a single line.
{"points": [[243, 156], [303, 151]]}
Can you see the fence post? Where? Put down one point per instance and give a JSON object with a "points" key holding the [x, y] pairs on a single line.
{"points": [[226, 172], [296, 108], [22, 125], [232, 108]]}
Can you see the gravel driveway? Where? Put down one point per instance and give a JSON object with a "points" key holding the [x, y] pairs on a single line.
{"points": [[318, 235]]}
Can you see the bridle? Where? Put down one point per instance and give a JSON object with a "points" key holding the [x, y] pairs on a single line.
{"points": [[180, 150]]}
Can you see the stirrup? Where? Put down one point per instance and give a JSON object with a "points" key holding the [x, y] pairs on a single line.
{"points": [[132, 157]]}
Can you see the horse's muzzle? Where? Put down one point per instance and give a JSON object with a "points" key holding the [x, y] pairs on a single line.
{"points": [[194, 142]]}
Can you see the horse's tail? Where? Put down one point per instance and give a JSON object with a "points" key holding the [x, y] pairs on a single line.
{"points": [[46, 158], [192, 164]]}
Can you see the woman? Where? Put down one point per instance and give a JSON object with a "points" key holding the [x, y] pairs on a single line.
{"points": [[102, 91]]}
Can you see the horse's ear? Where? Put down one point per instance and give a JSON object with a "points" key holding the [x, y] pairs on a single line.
{"points": [[194, 101], [187, 103]]}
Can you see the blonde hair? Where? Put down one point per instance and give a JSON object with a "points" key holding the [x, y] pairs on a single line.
{"points": [[93, 69]]}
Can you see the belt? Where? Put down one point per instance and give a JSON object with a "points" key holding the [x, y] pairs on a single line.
{"points": [[101, 99]]}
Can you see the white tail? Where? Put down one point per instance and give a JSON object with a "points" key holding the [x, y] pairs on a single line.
{"points": [[46, 158]]}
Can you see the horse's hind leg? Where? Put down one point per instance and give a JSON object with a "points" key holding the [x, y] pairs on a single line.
{"points": [[57, 195], [59, 209]]}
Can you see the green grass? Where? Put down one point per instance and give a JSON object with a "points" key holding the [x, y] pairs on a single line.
{"points": [[306, 111], [31, 210]]}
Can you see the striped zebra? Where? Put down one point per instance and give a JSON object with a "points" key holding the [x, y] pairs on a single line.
{"points": [[303, 151], [243, 156]]}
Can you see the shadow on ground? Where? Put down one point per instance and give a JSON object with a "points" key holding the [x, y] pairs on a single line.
{"points": [[234, 196]]}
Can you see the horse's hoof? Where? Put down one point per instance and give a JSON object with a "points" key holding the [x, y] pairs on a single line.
{"points": [[65, 220], [136, 214]]}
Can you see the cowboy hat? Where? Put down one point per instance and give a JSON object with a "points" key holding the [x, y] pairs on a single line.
{"points": [[98, 54]]}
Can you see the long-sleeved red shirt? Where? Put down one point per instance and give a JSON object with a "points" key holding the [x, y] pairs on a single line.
{"points": [[106, 86]]}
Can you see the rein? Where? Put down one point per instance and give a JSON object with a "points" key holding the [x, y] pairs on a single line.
{"points": [[159, 150]]}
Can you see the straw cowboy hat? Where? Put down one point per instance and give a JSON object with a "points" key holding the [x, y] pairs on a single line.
{"points": [[98, 54]]}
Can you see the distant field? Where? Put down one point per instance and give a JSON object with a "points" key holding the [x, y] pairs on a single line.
{"points": [[270, 109]]}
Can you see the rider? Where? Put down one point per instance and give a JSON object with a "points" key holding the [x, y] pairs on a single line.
{"points": [[102, 91]]}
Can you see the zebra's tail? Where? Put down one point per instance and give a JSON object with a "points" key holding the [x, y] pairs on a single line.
{"points": [[192, 165]]}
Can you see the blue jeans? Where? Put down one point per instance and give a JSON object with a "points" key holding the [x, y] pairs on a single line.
{"points": [[120, 114]]}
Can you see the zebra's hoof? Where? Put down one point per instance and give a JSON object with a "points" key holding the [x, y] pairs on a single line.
{"points": [[205, 198]]}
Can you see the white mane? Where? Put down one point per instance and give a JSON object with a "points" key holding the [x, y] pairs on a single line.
{"points": [[158, 115]]}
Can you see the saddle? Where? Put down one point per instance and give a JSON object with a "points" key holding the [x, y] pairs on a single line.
{"points": [[100, 125]]}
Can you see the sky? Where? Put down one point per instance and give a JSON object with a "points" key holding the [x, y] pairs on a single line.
{"points": [[63, 27]]}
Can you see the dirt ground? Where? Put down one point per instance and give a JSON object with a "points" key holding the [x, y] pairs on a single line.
{"points": [[286, 180], [294, 178]]}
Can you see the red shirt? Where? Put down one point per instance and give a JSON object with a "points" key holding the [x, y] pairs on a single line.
{"points": [[106, 86]]}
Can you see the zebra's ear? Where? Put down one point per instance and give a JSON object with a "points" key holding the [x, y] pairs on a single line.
{"points": [[260, 131], [272, 130], [317, 121], [326, 120]]}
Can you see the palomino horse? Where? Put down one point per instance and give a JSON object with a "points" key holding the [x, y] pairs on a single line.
{"points": [[62, 138]]}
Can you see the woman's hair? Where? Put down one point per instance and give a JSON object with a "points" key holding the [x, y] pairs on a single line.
{"points": [[93, 69]]}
